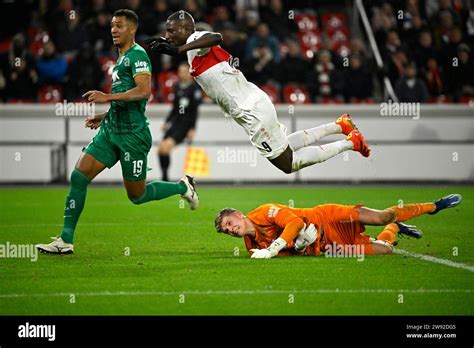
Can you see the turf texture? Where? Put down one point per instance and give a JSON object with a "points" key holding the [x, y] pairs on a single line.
{"points": [[160, 258]]}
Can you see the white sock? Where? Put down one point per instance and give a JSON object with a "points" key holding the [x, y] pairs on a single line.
{"points": [[310, 155], [307, 137]]}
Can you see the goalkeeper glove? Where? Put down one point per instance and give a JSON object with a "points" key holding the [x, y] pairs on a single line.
{"points": [[306, 237], [161, 45], [269, 252]]}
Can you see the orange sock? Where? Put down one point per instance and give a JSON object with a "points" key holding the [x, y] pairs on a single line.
{"points": [[410, 211], [389, 234]]}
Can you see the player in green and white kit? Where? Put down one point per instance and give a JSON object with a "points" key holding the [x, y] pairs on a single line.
{"points": [[123, 136]]}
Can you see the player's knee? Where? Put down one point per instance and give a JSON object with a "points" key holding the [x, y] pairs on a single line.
{"points": [[387, 216], [134, 198], [286, 169]]}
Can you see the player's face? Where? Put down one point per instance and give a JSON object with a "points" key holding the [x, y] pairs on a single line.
{"points": [[234, 224], [176, 34], [122, 31]]}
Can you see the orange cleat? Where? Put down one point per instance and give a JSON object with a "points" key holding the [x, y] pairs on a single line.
{"points": [[359, 143], [346, 124]]}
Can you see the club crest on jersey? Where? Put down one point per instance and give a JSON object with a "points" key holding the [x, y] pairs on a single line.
{"points": [[273, 211]]}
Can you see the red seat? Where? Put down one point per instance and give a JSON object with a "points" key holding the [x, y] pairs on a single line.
{"points": [[329, 100], [296, 94], [166, 81], [466, 99], [50, 94], [20, 100], [309, 41], [333, 20], [362, 101], [306, 22], [442, 99], [272, 92]]}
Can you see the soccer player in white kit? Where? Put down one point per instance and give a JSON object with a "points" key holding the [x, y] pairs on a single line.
{"points": [[247, 104]]}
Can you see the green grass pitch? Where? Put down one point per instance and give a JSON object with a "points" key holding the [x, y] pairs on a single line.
{"points": [[178, 264]]}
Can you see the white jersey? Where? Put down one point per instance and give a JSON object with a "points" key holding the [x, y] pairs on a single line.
{"points": [[238, 98]]}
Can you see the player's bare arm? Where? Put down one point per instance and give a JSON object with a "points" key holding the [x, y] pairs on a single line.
{"points": [[140, 92], [205, 41], [94, 121]]}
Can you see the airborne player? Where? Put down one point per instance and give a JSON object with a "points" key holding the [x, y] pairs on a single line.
{"points": [[247, 104]]}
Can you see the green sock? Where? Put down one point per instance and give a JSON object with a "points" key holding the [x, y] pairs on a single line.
{"points": [[74, 204], [157, 190]]}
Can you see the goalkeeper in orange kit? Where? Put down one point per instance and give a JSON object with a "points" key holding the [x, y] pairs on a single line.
{"points": [[275, 229]]}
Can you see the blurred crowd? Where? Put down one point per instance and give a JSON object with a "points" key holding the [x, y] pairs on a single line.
{"points": [[297, 51]]}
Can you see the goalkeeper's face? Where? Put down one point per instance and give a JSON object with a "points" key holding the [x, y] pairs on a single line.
{"points": [[234, 224], [122, 30]]}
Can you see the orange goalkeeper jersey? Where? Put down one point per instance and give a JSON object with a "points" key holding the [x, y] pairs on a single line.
{"points": [[338, 223]]}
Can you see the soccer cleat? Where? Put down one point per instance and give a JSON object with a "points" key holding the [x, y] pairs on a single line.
{"points": [[57, 246], [359, 143], [346, 124], [190, 195], [449, 201], [409, 230]]}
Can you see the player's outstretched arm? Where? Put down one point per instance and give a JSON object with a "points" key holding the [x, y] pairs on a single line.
{"points": [[205, 41]]}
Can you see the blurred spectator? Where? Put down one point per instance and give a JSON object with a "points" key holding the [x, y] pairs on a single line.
{"points": [[71, 33], [249, 25], [84, 73], [158, 15], [51, 66], [261, 68], [196, 8], [263, 38], [392, 44], [278, 20], [449, 49], [141, 9], [383, 20], [409, 88], [101, 38], [460, 74], [442, 27], [432, 74], [396, 66], [424, 50], [325, 80], [92, 9], [221, 18], [234, 42], [18, 76], [358, 81], [293, 68]]}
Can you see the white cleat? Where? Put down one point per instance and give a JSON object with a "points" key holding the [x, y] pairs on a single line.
{"points": [[57, 246], [190, 195]]}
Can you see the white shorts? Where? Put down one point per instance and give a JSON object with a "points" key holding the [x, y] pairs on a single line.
{"points": [[265, 132]]}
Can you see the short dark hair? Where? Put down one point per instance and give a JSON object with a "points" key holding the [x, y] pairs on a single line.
{"points": [[128, 14], [221, 215], [184, 17]]}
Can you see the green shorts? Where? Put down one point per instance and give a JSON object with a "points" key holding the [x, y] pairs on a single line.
{"points": [[131, 149]]}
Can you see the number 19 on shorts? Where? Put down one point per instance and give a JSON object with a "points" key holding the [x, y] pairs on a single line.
{"points": [[137, 167]]}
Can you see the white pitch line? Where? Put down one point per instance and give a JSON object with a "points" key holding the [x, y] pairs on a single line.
{"points": [[434, 259], [237, 292]]}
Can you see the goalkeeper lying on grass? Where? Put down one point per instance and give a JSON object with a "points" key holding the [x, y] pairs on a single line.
{"points": [[275, 229]]}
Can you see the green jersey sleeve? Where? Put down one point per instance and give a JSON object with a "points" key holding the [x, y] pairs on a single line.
{"points": [[140, 63]]}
